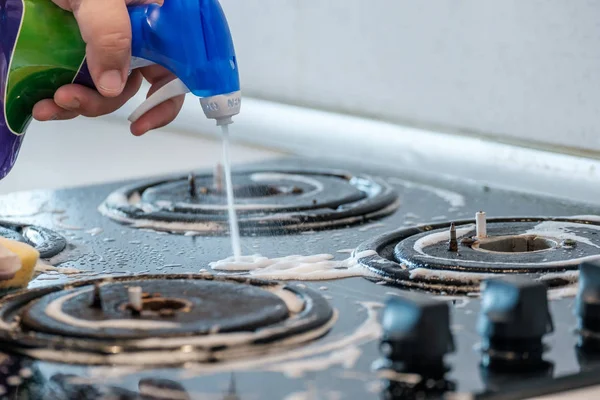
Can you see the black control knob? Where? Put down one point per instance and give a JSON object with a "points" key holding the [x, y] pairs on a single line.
{"points": [[587, 306], [513, 320], [416, 333]]}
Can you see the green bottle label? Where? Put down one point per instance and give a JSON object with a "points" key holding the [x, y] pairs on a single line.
{"points": [[48, 54]]}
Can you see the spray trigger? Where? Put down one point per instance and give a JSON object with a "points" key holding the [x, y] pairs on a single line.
{"points": [[172, 89]]}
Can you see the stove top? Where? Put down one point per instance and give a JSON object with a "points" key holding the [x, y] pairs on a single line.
{"points": [[356, 283]]}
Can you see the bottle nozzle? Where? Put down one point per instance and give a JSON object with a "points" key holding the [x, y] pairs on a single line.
{"points": [[224, 121], [222, 107]]}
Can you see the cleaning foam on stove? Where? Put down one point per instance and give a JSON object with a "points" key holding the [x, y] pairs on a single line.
{"points": [[27, 258]]}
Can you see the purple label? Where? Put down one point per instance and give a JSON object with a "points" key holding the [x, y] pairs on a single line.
{"points": [[11, 13], [84, 77]]}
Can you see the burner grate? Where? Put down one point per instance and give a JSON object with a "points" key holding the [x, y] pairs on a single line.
{"points": [[425, 257], [267, 202], [46, 241], [209, 319]]}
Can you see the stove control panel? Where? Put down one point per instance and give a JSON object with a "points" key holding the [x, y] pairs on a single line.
{"points": [[513, 320], [417, 332], [588, 306]]}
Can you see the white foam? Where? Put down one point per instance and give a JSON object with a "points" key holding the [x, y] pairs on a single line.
{"points": [[562, 231], [95, 231], [559, 230], [455, 200], [59, 222], [42, 267], [293, 303], [346, 357], [296, 267], [372, 226], [368, 331], [346, 251]]}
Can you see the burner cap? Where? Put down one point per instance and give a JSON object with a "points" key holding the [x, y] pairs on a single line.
{"points": [[274, 201], [47, 242], [176, 319], [548, 249]]}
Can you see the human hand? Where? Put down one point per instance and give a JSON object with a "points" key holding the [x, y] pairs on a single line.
{"points": [[106, 30]]}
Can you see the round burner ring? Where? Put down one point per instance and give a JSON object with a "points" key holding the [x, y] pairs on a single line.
{"points": [[267, 202], [46, 241], [210, 319], [548, 249], [516, 244]]}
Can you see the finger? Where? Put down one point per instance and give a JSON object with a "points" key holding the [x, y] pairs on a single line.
{"points": [[48, 110], [164, 113], [157, 75], [90, 103], [106, 29], [159, 116]]}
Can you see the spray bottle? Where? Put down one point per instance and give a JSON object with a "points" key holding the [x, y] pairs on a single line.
{"points": [[41, 49]]}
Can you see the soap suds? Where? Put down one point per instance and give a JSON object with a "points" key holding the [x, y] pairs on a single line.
{"points": [[42, 267], [346, 357], [345, 251], [95, 231], [61, 225], [562, 231], [306, 268], [394, 376], [369, 227], [293, 303], [455, 200], [561, 293], [555, 229], [368, 331]]}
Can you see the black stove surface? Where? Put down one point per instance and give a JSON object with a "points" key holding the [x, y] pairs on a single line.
{"points": [[295, 339]]}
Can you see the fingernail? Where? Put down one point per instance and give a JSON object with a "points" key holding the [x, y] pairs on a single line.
{"points": [[54, 117], [111, 81]]}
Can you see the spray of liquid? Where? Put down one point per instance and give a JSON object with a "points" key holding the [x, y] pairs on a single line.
{"points": [[233, 222]]}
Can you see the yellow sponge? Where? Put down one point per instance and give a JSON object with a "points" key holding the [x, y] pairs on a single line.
{"points": [[29, 258]]}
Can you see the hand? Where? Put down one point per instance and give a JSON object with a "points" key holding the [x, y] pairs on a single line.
{"points": [[105, 28]]}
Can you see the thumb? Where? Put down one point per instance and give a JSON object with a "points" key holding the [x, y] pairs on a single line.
{"points": [[106, 29]]}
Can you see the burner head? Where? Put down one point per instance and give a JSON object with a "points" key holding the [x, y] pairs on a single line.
{"points": [[548, 249], [267, 202], [47, 242], [182, 318]]}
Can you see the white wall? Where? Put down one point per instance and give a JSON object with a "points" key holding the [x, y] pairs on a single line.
{"points": [[525, 69]]}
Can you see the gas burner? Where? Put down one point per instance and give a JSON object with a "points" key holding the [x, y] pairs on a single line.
{"points": [[267, 201], [455, 257], [161, 320], [46, 241]]}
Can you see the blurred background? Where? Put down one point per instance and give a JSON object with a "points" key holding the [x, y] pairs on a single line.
{"points": [[524, 73]]}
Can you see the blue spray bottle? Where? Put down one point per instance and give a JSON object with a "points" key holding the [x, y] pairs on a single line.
{"points": [[191, 38]]}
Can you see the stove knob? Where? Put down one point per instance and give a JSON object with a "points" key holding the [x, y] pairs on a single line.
{"points": [[417, 333], [587, 306], [513, 320]]}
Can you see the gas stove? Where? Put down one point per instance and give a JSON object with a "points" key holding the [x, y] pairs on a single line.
{"points": [[357, 283]]}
